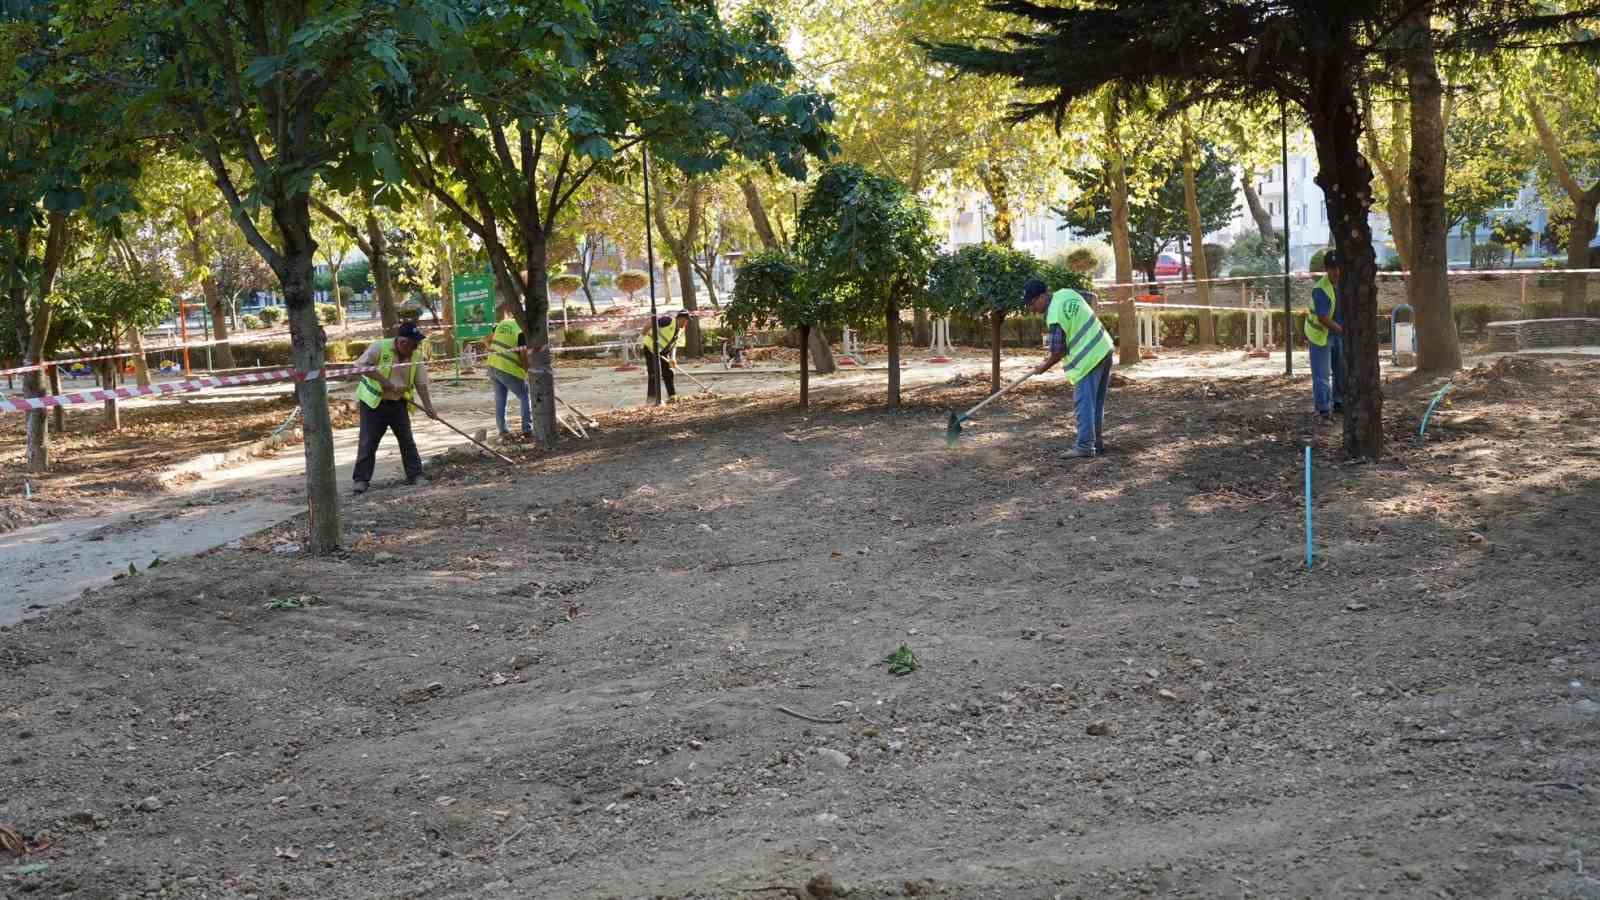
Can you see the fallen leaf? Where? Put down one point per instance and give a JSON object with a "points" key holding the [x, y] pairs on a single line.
{"points": [[289, 853]]}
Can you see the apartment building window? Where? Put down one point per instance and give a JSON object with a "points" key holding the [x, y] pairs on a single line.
{"points": [[1302, 167], [1272, 209], [1322, 213]]}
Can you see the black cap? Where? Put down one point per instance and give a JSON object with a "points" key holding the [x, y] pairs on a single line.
{"points": [[683, 314], [1032, 289], [409, 330]]}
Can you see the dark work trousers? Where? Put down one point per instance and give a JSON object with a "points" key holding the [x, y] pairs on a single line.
{"points": [[390, 414], [659, 375]]}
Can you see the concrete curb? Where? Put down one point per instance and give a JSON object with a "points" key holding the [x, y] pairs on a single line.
{"points": [[211, 462]]}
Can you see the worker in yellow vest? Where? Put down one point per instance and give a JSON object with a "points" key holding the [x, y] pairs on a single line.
{"points": [[667, 330], [1324, 334], [385, 398], [1077, 336], [508, 368]]}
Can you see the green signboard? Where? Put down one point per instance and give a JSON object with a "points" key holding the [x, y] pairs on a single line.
{"points": [[474, 305]]}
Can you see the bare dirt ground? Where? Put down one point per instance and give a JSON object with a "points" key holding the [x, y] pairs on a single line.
{"points": [[570, 679]]}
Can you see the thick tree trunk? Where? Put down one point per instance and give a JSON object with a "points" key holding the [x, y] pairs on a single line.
{"points": [[308, 346], [891, 321], [1127, 324], [1258, 210], [1346, 181], [1202, 274], [758, 213], [1438, 349], [997, 320], [58, 415], [805, 370], [141, 369], [31, 319], [821, 353], [38, 424], [536, 322], [692, 344], [382, 279]]}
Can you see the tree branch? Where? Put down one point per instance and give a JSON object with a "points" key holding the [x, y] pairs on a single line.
{"points": [[1552, 150], [332, 215]]}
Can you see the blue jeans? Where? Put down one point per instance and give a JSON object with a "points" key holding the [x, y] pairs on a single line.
{"points": [[1322, 379], [504, 384], [1089, 396]]}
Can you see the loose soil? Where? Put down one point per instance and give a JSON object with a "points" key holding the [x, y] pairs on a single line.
{"points": [[598, 675]]}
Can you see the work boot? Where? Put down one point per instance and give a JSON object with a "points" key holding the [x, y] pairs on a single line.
{"points": [[419, 481], [1078, 453], [1099, 449], [359, 487]]}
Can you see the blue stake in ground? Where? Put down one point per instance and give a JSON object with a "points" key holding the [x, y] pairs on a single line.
{"points": [[1308, 508]]}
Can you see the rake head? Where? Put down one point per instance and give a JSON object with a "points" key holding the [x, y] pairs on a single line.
{"points": [[952, 431]]}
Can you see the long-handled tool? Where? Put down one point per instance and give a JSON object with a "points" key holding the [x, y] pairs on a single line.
{"points": [[703, 386], [503, 458], [588, 420], [953, 430]]}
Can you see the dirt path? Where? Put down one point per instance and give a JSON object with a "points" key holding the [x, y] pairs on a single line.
{"points": [[568, 683]]}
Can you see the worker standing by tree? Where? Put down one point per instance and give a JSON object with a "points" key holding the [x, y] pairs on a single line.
{"points": [[385, 399], [1077, 336], [1323, 335], [666, 330], [508, 368]]}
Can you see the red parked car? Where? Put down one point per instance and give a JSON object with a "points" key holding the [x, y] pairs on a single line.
{"points": [[1167, 266]]}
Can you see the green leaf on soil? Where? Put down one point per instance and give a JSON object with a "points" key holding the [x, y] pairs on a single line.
{"points": [[902, 661]]}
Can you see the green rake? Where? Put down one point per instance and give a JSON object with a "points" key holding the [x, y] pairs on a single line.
{"points": [[953, 431]]}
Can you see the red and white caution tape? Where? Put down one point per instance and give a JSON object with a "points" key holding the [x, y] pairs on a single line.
{"points": [[148, 351]]}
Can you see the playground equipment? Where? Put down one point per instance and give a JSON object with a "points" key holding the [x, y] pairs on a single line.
{"points": [[939, 345], [1403, 334], [853, 354]]}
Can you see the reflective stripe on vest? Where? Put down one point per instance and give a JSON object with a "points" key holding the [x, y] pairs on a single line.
{"points": [[370, 391], [504, 355], [1315, 333], [1088, 342], [668, 332]]}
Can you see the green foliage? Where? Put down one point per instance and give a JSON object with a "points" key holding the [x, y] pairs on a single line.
{"points": [[862, 236], [902, 661], [1488, 256], [1085, 260], [1216, 255], [328, 313], [96, 304], [767, 292], [1158, 219], [578, 337], [293, 601], [356, 276], [252, 322], [271, 315], [979, 279], [1057, 276], [1513, 234]]}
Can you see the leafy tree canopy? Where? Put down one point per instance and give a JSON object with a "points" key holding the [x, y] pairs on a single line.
{"points": [[862, 236]]}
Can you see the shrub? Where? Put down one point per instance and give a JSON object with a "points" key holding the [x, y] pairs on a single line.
{"points": [[1092, 259], [338, 352], [1488, 256], [1392, 264], [578, 337], [565, 285], [252, 322], [1541, 309], [271, 315], [632, 281], [1216, 255], [327, 314]]}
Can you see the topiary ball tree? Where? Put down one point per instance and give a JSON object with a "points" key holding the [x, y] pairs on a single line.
{"points": [[767, 292], [982, 280], [632, 281], [866, 243]]}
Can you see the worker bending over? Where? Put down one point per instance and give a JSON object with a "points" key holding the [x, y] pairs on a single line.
{"points": [[385, 397], [1077, 336], [1324, 334], [666, 332], [508, 368]]}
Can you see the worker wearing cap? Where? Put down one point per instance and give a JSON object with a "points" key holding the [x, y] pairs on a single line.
{"points": [[385, 398], [508, 368], [1077, 336], [665, 334], [1323, 336]]}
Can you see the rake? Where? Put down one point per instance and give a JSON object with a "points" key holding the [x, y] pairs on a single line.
{"points": [[953, 430]]}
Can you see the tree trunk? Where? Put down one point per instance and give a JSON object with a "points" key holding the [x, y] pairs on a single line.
{"points": [[1258, 211], [308, 345], [58, 415], [108, 374], [586, 269], [1574, 295], [821, 353], [381, 277], [805, 370], [1438, 349], [1202, 274], [31, 319], [33, 385], [997, 319], [891, 321], [141, 369], [921, 331], [998, 187], [1346, 181], [1397, 199], [446, 275], [681, 245], [1127, 324], [758, 213], [536, 311], [222, 351]]}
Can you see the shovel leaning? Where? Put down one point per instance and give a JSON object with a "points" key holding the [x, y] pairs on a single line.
{"points": [[953, 430]]}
